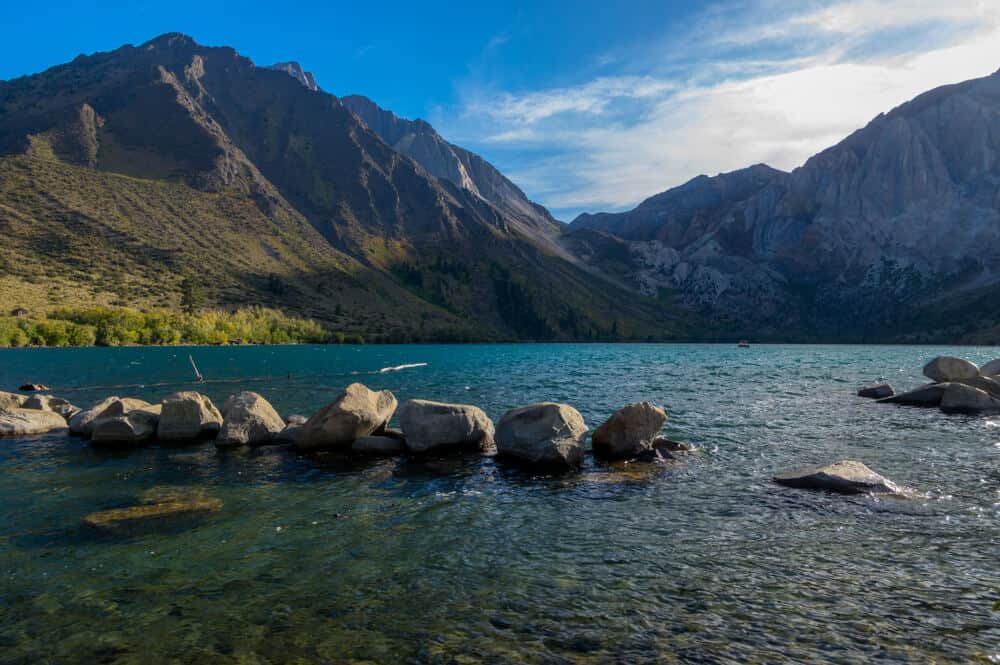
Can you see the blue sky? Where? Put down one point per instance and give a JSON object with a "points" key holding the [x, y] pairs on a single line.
{"points": [[586, 105]]}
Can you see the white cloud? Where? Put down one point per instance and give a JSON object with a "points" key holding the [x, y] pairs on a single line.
{"points": [[612, 141]]}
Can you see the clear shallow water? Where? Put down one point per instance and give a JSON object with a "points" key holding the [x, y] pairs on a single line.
{"points": [[461, 561]]}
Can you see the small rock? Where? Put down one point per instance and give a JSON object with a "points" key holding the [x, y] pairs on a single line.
{"points": [[356, 412], [928, 395], [992, 368], [629, 432], [663, 444], [295, 419], [34, 387], [429, 426], [378, 445], [960, 398], [50, 403], [947, 368], [250, 419], [881, 391], [544, 435], [844, 477], [29, 422]]}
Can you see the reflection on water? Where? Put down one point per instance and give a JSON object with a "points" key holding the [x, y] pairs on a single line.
{"points": [[463, 560]]}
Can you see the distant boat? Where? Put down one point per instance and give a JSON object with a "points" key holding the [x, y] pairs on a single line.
{"points": [[744, 344]]}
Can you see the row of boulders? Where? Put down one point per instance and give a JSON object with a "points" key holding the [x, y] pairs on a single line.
{"points": [[546, 434], [957, 386]]}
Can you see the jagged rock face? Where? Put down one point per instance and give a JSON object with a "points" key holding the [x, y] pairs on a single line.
{"points": [[896, 229], [295, 70], [420, 141]]}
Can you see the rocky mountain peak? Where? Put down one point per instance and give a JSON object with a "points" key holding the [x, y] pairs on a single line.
{"points": [[296, 71]]}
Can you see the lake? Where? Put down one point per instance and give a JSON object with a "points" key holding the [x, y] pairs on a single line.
{"points": [[465, 560]]}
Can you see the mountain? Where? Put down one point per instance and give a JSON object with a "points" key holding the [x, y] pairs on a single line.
{"points": [[891, 235], [295, 70], [122, 172]]}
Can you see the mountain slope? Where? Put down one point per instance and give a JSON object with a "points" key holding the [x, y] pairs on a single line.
{"points": [[172, 157], [895, 230]]}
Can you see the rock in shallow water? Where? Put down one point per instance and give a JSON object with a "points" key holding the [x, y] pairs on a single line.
{"points": [[544, 435], [429, 426], [926, 396], [961, 398], [28, 422], [844, 477], [249, 420], [629, 432], [157, 506], [187, 416], [880, 391], [356, 412], [947, 368], [992, 368]]}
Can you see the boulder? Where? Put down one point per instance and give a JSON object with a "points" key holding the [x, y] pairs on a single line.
{"points": [[881, 391], [50, 403], [961, 398], [378, 445], [186, 416], [928, 395], [34, 387], [992, 368], [11, 400], [250, 420], [356, 412], [844, 477], [136, 426], [82, 422], [290, 432], [629, 432], [665, 445], [27, 422], [544, 435], [947, 368], [429, 426], [985, 383]]}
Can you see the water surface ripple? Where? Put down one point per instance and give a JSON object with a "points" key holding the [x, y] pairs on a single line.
{"points": [[465, 561]]}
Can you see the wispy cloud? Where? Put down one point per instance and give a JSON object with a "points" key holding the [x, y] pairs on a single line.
{"points": [[755, 84]]}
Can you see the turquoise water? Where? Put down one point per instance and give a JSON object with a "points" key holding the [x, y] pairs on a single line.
{"points": [[466, 561]]}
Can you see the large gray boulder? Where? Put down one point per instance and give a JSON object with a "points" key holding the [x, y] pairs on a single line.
{"points": [[186, 416], [881, 391], [629, 432], [356, 412], [844, 477], [11, 401], [543, 435], [50, 403], [430, 426], [947, 368], [82, 423], [250, 420], [992, 368], [961, 398], [985, 383], [135, 426], [27, 422], [928, 395]]}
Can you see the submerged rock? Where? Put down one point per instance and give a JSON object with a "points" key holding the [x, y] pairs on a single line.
{"points": [[249, 420], [429, 426], [881, 391], [544, 435], [629, 432], [156, 508], [356, 412], [186, 416], [947, 368], [928, 395], [28, 422], [378, 445], [961, 398], [844, 477]]}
